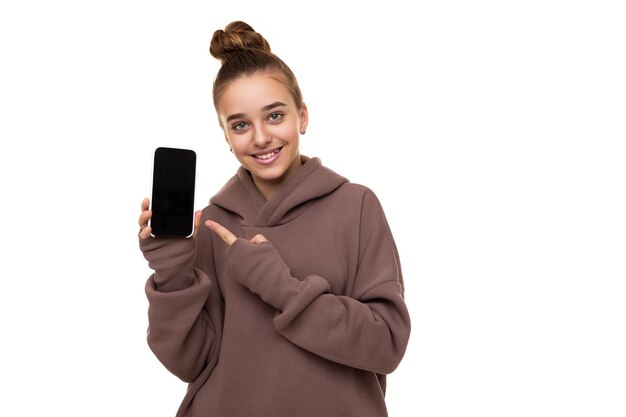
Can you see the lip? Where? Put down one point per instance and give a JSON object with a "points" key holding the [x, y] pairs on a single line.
{"points": [[277, 152]]}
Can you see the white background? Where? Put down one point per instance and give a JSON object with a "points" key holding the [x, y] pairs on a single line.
{"points": [[492, 131]]}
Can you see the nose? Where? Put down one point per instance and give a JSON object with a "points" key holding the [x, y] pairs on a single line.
{"points": [[262, 136]]}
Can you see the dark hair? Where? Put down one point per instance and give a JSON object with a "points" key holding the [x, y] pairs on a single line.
{"points": [[243, 51]]}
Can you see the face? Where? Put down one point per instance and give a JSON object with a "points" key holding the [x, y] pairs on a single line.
{"points": [[262, 125]]}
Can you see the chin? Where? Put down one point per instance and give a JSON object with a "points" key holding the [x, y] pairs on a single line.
{"points": [[271, 174]]}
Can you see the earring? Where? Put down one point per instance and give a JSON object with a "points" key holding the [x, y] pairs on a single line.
{"points": [[231, 148], [302, 131]]}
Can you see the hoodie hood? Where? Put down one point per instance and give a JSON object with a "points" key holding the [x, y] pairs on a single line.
{"points": [[240, 196]]}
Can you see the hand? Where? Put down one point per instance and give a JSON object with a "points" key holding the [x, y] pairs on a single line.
{"points": [[146, 215], [227, 235]]}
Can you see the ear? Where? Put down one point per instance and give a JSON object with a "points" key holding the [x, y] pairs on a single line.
{"points": [[304, 119], [228, 143]]}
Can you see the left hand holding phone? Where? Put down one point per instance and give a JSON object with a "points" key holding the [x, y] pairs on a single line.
{"points": [[146, 215]]}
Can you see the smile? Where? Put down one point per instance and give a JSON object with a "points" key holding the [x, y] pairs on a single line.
{"points": [[267, 155]]}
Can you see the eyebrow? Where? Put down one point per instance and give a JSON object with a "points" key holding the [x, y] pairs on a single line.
{"points": [[264, 108], [273, 105]]}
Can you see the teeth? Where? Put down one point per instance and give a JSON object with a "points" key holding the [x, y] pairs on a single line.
{"points": [[268, 155]]}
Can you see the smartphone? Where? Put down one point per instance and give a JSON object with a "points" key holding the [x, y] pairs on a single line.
{"points": [[173, 188]]}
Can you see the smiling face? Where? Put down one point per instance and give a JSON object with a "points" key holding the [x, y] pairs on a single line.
{"points": [[262, 124]]}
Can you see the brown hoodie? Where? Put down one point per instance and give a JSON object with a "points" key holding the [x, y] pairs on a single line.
{"points": [[307, 324]]}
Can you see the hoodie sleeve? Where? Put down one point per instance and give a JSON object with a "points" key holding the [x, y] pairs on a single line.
{"points": [[181, 333], [368, 330]]}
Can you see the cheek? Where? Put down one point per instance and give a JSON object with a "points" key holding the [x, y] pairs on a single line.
{"points": [[238, 144], [285, 131]]}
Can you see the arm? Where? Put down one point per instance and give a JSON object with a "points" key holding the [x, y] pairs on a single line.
{"points": [[367, 330], [181, 333]]}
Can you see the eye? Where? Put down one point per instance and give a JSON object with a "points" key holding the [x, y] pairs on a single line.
{"points": [[275, 117], [239, 126]]}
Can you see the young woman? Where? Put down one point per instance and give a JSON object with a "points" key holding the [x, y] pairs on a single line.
{"points": [[289, 299]]}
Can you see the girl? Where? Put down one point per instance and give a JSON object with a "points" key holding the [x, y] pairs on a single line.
{"points": [[288, 300]]}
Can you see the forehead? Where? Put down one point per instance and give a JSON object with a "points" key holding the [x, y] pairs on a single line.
{"points": [[250, 93]]}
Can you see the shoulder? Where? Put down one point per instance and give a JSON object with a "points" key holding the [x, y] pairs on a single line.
{"points": [[359, 191], [346, 186], [215, 212], [352, 200]]}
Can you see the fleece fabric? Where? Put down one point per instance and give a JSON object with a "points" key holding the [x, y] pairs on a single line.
{"points": [[306, 324]]}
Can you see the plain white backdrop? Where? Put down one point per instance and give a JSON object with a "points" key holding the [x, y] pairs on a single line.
{"points": [[493, 133]]}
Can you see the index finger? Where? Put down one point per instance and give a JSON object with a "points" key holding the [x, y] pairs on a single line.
{"points": [[222, 232]]}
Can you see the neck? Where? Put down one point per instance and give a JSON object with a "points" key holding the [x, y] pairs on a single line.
{"points": [[269, 187]]}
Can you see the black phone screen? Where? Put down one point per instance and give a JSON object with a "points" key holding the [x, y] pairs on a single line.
{"points": [[173, 186]]}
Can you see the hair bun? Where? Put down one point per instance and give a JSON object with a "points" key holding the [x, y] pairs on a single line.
{"points": [[236, 37]]}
